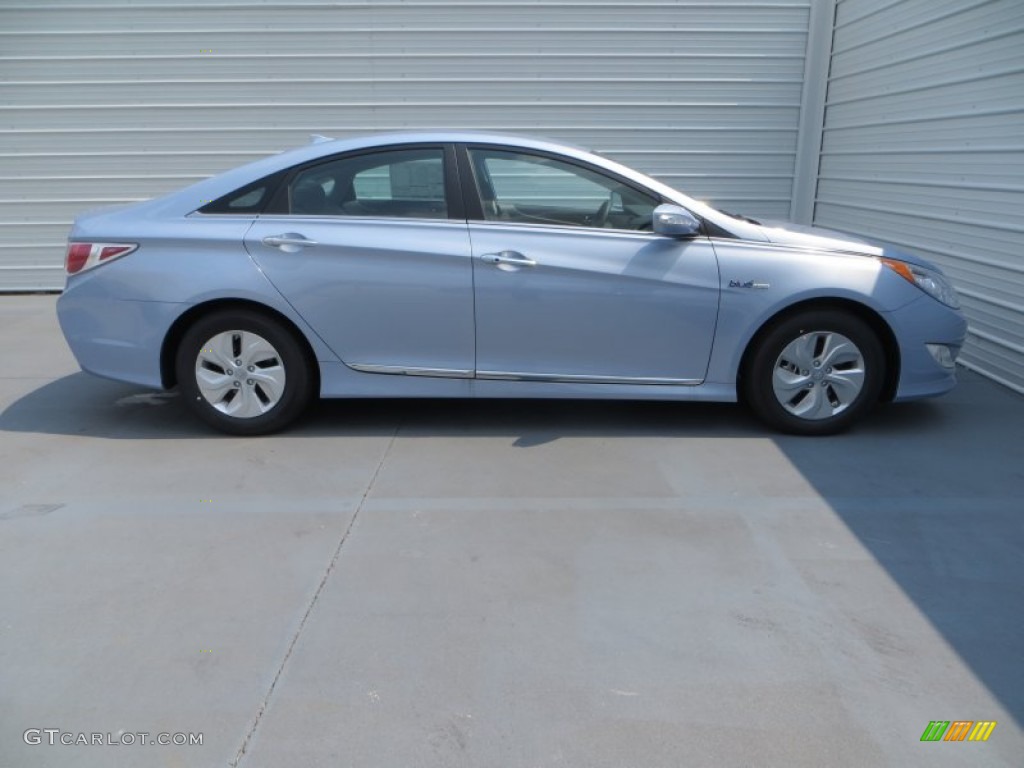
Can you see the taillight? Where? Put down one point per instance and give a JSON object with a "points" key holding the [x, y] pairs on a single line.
{"points": [[83, 256]]}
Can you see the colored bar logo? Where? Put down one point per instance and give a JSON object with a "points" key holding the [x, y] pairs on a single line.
{"points": [[958, 730]]}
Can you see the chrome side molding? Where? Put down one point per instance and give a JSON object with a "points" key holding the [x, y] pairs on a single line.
{"points": [[398, 370], [553, 378], [571, 378]]}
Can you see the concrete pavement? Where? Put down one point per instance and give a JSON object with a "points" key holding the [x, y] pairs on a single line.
{"points": [[508, 584]]}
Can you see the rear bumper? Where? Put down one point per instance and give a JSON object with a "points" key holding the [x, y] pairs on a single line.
{"points": [[116, 338], [920, 323]]}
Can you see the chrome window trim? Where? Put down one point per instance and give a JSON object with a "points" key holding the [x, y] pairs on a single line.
{"points": [[573, 228], [342, 218]]}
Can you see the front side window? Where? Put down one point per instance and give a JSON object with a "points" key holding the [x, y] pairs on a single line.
{"points": [[534, 189], [406, 183]]}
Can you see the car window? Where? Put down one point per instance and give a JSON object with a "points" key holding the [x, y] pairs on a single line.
{"points": [[249, 199], [405, 183], [534, 189]]}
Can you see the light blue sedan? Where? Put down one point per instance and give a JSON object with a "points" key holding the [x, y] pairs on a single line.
{"points": [[478, 265]]}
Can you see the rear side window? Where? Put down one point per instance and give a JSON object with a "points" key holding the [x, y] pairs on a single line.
{"points": [[252, 198], [407, 183]]}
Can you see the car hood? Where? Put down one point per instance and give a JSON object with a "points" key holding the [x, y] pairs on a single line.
{"points": [[819, 238]]}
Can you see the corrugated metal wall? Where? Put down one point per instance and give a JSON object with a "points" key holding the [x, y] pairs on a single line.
{"points": [[923, 146], [104, 102]]}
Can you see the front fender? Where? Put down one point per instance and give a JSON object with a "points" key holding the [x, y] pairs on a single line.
{"points": [[759, 282]]}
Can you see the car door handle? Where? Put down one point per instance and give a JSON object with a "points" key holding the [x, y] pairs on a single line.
{"points": [[288, 238], [511, 258]]}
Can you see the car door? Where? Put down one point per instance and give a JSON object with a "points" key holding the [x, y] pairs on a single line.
{"points": [[571, 284], [372, 250]]}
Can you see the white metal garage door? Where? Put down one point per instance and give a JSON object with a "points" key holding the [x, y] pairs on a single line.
{"points": [[109, 101], [923, 147]]}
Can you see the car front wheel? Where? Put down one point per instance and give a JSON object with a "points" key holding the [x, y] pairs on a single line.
{"points": [[243, 373], [815, 373]]}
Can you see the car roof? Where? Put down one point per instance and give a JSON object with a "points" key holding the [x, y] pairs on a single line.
{"points": [[189, 199], [322, 146], [452, 137]]}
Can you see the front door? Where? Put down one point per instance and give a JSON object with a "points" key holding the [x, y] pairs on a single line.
{"points": [[571, 284]]}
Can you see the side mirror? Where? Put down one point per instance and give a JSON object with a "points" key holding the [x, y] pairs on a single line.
{"points": [[675, 221]]}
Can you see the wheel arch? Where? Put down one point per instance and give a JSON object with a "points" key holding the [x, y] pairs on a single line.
{"points": [[863, 312], [176, 332]]}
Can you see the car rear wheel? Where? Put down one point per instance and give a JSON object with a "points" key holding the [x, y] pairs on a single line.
{"points": [[815, 373], [243, 373]]}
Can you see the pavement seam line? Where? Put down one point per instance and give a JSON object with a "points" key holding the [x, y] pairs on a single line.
{"points": [[240, 754]]}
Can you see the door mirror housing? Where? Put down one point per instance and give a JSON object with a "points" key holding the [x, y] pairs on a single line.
{"points": [[675, 221]]}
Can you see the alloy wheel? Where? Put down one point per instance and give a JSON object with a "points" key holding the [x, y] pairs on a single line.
{"points": [[240, 374], [818, 375]]}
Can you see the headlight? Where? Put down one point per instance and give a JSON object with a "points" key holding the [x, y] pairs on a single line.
{"points": [[931, 281]]}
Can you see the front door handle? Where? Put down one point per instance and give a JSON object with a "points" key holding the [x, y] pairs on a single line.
{"points": [[289, 239], [508, 259]]}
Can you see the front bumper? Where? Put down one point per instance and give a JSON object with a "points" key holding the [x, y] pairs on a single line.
{"points": [[920, 324]]}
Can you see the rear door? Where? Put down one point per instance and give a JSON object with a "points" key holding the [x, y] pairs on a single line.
{"points": [[372, 249]]}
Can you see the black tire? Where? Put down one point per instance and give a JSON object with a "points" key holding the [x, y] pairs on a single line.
{"points": [[273, 386], [816, 339]]}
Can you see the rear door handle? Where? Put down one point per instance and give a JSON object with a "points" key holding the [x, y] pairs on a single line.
{"points": [[289, 239], [508, 258]]}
